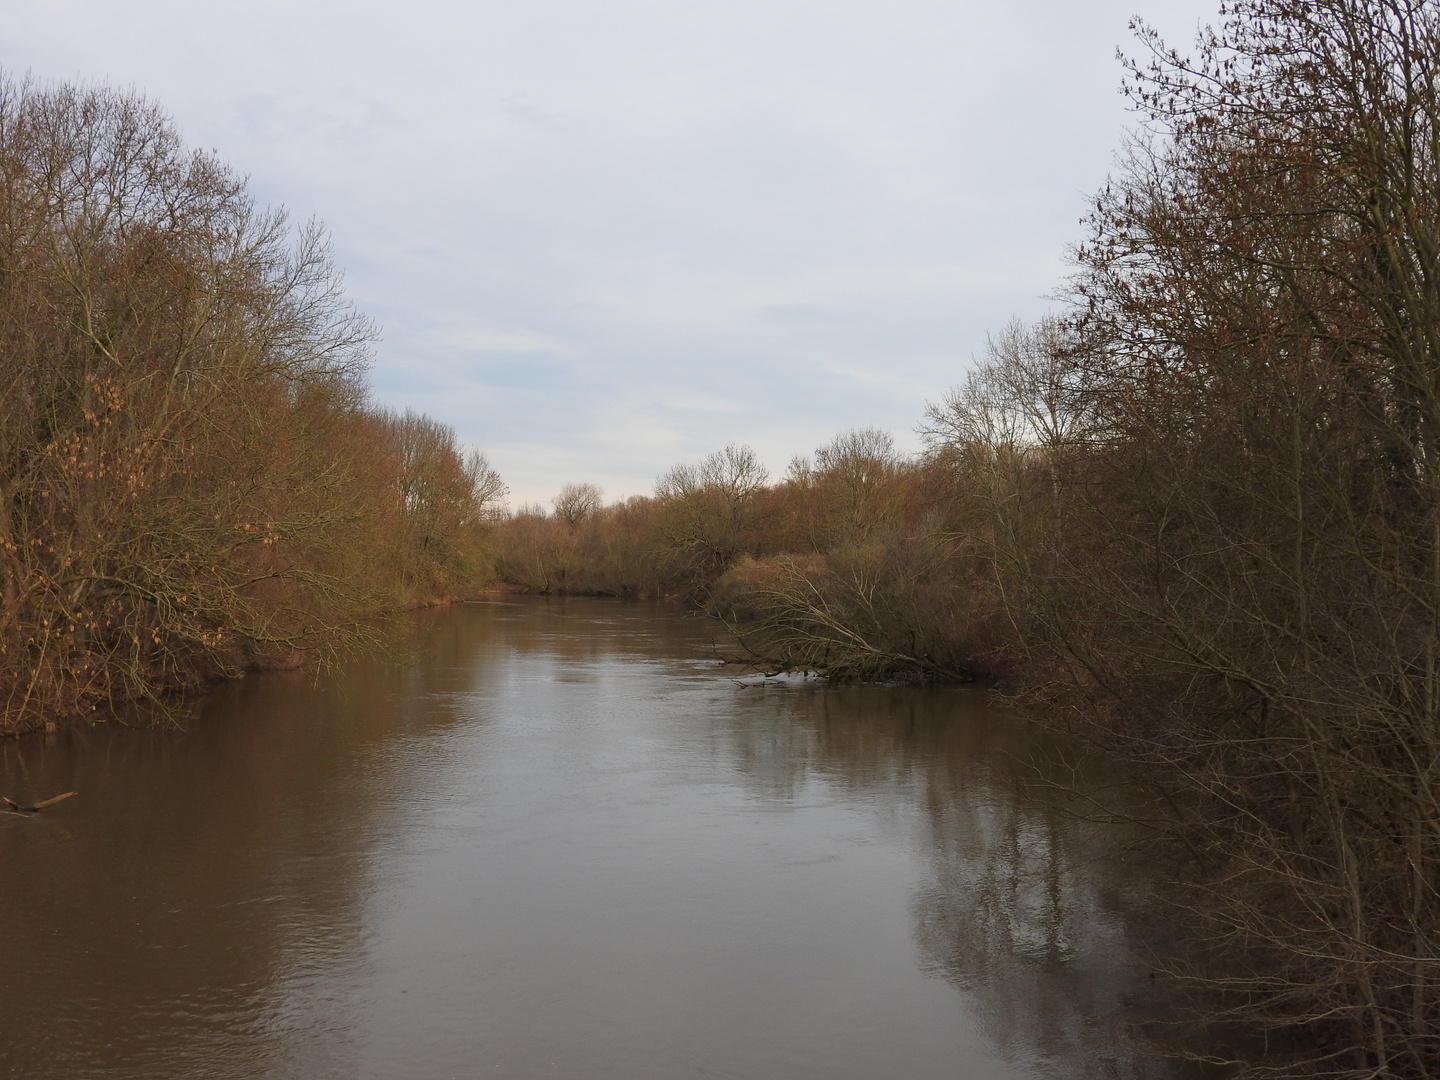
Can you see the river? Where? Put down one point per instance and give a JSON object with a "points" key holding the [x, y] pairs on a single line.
{"points": [[562, 842]]}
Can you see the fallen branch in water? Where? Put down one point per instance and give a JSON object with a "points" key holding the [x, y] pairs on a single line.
{"points": [[37, 807]]}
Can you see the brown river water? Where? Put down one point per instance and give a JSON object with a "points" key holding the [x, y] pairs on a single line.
{"points": [[562, 842]]}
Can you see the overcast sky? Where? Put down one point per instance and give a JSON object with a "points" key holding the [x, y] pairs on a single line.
{"points": [[606, 236]]}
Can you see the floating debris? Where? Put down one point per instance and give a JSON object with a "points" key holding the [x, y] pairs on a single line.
{"points": [[35, 808]]}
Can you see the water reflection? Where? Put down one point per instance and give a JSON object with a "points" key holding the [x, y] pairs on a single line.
{"points": [[1027, 906], [561, 842], [203, 890]]}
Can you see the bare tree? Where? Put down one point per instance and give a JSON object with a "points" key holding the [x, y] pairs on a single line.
{"points": [[577, 503], [708, 512], [487, 489], [1257, 613], [190, 480]]}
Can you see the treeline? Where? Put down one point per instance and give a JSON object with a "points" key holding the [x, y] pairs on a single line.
{"points": [[192, 480], [852, 564], [1196, 517]]}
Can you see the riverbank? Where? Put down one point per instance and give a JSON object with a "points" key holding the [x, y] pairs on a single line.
{"points": [[194, 482]]}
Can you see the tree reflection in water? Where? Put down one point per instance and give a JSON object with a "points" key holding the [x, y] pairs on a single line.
{"points": [[1029, 907]]}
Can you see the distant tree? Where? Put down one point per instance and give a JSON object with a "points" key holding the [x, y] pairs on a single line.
{"points": [[707, 512], [577, 503], [854, 484], [487, 489], [444, 500]]}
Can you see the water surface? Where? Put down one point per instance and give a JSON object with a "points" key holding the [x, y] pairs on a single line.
{"points": [[562, 843]]}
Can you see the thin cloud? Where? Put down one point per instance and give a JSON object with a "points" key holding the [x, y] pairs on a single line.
{"points": [[497, 340], [608, 237]]}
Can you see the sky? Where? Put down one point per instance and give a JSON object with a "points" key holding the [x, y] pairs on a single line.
{"points": [[604, 237]]}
